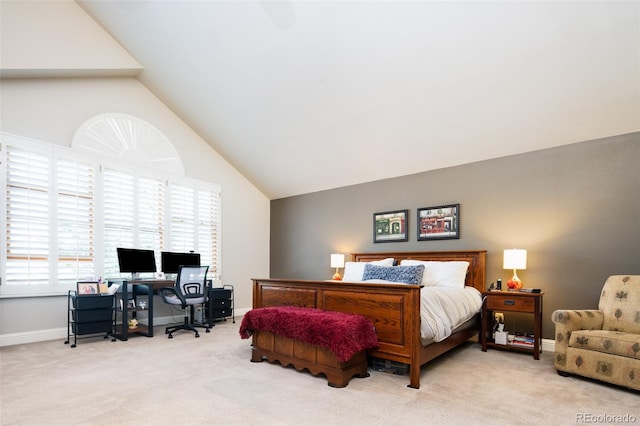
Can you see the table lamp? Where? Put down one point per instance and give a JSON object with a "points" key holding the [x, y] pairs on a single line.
{"points": [[337, 261], [515, 259]]}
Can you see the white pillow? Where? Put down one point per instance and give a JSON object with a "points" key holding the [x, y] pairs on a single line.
{"points": [[353, 271], [442, 274]]}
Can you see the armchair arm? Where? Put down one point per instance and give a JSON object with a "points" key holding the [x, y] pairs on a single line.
{"points": [[578, 319], [567, 321]]}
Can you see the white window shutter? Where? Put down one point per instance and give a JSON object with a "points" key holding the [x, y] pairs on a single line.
{"points": [[119, 208], [75, 185], [208, 231], [27, 226], [182, 218]]}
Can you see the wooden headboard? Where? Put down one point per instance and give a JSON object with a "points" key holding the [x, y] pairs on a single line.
{"points": [[476, 258]]}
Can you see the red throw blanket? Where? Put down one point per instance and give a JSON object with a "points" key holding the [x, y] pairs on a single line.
{"points": [[343, 334]]}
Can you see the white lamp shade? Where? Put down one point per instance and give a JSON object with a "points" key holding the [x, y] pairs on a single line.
{"points": [[515, 259], [337, 260]]}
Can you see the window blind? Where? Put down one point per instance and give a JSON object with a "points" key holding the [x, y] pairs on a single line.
{"points": [[66, 214], [151, 227], [27, 217], [183, 212], [75, 219], [195, 221], [207, 231], [119, 208]]}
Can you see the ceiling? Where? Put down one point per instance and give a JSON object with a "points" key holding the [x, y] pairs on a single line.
{"points": [[303, 96]]}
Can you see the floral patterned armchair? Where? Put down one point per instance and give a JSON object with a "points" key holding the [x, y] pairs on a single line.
{"points": [[603, 344]]}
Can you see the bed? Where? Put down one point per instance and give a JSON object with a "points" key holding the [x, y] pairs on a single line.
{"points": [[393, 308]]}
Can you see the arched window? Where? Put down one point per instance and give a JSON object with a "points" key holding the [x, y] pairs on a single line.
{"points": [[129, 139]]}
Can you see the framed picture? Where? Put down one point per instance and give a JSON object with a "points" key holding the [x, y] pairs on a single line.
{"points": [[88, 288], [439, 223], [390, 227]]}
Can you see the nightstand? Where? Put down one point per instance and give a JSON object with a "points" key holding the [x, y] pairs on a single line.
{"points": [[511, 301]]}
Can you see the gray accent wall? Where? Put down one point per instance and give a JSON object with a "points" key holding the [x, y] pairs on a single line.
{"points": [[575, 209]]}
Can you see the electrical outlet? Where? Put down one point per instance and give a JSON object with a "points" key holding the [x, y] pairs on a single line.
{"points": [[499, 317]]}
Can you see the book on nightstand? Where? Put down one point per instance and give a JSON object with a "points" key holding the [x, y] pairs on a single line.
{"points": [[523, 341], [522, 345]]}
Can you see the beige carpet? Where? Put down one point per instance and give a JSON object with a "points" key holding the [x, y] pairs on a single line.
{"points": [[210, 380]]}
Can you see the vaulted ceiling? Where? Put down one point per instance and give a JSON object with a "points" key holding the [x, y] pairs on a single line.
{"points": [[303, 96]]}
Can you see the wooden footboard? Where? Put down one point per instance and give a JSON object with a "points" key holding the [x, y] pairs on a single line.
{"points": [[315, 359], [394, 309]]}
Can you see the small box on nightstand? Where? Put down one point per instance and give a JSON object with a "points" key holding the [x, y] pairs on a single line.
{"points": [[501, 337]]}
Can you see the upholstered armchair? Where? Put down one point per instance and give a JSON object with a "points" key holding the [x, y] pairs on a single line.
{"points": [[603, 344]]}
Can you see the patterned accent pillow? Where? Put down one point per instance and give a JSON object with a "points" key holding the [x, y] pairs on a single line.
{"points": [[620, 303], [396, 274]]}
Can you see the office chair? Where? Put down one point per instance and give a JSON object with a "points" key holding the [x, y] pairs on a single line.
{"points": [[190, 290]]}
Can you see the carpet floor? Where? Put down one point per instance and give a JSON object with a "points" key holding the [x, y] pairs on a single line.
{"points": [[210, 380]]}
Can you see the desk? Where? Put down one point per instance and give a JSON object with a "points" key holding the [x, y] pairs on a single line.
{"points": [[122, 330]]}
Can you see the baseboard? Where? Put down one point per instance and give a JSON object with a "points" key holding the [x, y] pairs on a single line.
{"points": [[240, 312], [61, 333], [33, 336], [548, 345]]}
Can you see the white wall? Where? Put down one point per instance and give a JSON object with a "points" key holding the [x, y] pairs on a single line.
{"points": [[51, 110], [58, 38], [60, 68]]}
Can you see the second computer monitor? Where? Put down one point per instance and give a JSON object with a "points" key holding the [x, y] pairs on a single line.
{"points": [[171, 261]]}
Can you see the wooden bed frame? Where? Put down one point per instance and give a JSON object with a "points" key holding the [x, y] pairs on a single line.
{"points": [[394, 309]]}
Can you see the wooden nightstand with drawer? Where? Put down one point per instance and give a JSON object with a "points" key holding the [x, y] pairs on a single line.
{"points": [[511, 301]]}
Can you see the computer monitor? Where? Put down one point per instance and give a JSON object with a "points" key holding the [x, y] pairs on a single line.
{"points": [[171, 261], [136, 260]]}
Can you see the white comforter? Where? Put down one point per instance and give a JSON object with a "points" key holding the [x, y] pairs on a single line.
{"points": [[442, 309]]}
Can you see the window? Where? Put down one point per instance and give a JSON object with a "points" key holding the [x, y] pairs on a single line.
{"points": [[27, 217], [75, 214], [118, 216], [67, 212], [195, 218]]}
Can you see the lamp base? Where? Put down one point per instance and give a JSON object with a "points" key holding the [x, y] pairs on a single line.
{"points": [[336, 277], [514, 284]]}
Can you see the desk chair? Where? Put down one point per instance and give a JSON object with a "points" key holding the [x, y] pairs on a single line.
{"points": [[190, 290]]}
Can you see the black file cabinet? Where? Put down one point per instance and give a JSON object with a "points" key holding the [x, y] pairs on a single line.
{"points": [[220, 304], [88, 314]]}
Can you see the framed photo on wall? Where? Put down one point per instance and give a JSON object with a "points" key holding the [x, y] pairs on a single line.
{"points": [[439, 223], [390, 226]]}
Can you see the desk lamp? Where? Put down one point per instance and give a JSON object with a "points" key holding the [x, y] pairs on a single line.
{"points": [[515, 259], [337, 261]]}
